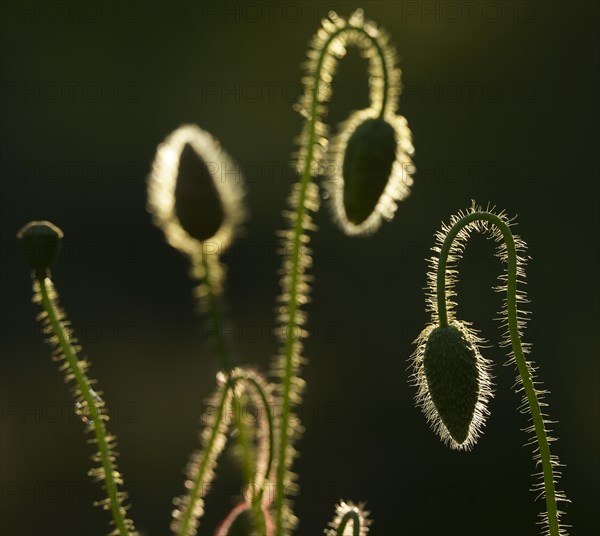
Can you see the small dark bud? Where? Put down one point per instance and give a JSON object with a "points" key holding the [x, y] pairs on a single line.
{"points": [[41, 244]]}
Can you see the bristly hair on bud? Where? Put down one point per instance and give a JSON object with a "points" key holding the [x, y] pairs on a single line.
{"points": [[195, 193], [451, 241], [327, 47], [165, 189], [349, 520], [453, 383], [371, 170], [368, 167]]}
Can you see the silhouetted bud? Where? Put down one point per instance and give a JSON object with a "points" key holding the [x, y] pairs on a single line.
{"points": [[41, 244], [370, 170], [450, 363], [368, 161], [195, 191], [198, 205], [453, 383]]}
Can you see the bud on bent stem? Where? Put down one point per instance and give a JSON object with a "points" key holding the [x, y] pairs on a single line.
{"points": [[451, 241], [328, 46]]}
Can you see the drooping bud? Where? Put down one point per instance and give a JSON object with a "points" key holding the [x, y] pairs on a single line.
{"points": [[370, 170], [368, 161], [454, 383], [195, 191], [450, 363], [198, 206], [41, 244]]}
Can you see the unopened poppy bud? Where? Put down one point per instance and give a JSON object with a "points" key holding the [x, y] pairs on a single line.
{"points": [[450, 363], [371, 164], [368, 161], [41, 244], [195, 191], [453, 382], [198, 205]]}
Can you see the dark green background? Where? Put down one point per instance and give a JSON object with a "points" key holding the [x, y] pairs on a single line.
{"points": [[503, 105]]}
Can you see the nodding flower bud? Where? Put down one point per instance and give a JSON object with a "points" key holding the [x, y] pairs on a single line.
{"points": [[41, 245], [370, 158], [450, 363], [198, 206], [453, 382], [368, 161], [195, 191]]}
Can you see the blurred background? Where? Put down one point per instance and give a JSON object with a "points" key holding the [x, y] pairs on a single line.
{"points": [[502, 99]]}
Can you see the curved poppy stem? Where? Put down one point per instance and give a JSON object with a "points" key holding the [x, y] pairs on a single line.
{"points": [[513, 327], [295, 265]]}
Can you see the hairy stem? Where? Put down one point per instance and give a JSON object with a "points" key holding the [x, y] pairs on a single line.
{"points": [[214, 446], [271, 432], [513, 326], [216, 318], [296, 248], [91, 398], [243, 438], [350, 516], [204, 467], [215, 312], [226, 361]]}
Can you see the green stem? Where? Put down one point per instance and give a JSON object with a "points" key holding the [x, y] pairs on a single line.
{"points": [[204, 464], [243, 437], [206, 459], [49, 305], [215, 313], [296, 243], [513, 327], [271, 432], [226, 363]]}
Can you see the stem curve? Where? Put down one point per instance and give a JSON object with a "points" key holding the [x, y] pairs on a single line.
{"points": [[515, 339], [354, 517], [203, 462], [294, 271]]}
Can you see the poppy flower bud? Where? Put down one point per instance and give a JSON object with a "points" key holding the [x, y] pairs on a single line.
{"points": [[195, 191], [198, 205], [453, 383], [371, 164], [368, 161], [41, 244], [450, 363]]}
